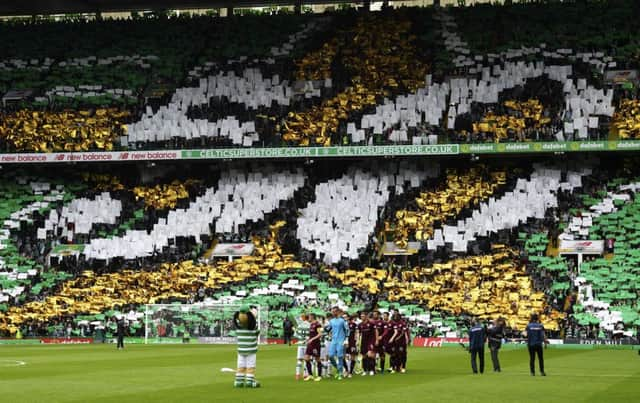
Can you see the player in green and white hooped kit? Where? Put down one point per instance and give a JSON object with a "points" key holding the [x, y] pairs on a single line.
{"points": [[302, 334], [324, 351], [247, 334]]}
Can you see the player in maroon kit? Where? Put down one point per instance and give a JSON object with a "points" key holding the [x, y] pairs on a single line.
{"points": [[367, 343], [396, 331], [313, 348], [403, 343], [383, 340], [389, 345], [352, 347], [379, 325]]}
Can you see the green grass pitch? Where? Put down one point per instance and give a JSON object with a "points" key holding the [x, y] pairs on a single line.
{"points": [[191, 373]]}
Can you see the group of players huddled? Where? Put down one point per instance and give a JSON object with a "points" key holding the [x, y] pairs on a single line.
{"points": [[350, 344]]}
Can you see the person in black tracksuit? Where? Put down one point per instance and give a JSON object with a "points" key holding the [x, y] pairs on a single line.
{"points": [[477, 337], [535, 339], [120, 331], [287, 327], [496, 334]]}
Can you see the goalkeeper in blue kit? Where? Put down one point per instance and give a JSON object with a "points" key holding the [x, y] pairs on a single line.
{"points": [[339, 332]]}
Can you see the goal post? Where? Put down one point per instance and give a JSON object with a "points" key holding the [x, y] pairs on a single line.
{"points": [[197, 323]]}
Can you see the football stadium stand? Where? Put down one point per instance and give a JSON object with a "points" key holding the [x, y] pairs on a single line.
{"points": [[205, 82], [444, 240]]}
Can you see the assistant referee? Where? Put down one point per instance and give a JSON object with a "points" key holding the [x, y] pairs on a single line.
{"points": [[495, 335], [120, 323], [477, 338], [535, 339]]}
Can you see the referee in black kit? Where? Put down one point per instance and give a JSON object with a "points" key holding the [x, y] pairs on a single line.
{"points": [[477, 337], [120, 323], [496, 334], [535, 339]]}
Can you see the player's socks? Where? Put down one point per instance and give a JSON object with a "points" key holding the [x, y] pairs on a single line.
{"points": [[319, 375], [250, 381], [382, 360], [340, 367], [298, 369], [394, 362], [309, 369], [239, 382]]}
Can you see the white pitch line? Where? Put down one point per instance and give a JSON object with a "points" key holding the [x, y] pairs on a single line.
{"points": [[12, 363]]}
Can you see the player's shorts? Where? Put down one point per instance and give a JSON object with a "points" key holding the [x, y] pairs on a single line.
{"points": [[352, 349], [246, 361], [301, 352], [324, 351], [336, 349], [313, 349], [366, 347], [389, 348]]}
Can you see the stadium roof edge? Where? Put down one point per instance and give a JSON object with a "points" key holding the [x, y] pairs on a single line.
{"points": [[37, 7]]}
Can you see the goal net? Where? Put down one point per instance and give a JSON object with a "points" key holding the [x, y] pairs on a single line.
{"points": [[196, 323]]}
